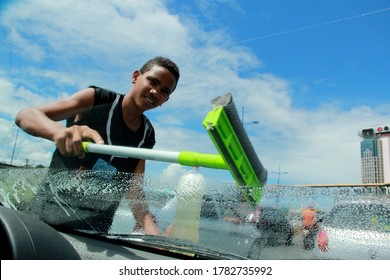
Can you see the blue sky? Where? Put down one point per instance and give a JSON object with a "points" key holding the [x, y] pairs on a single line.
{"points": [[312, 73]]}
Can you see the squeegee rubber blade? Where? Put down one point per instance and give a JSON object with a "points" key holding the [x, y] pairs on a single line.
{"points": [[229, 147], [232, 114], [219, 123]]}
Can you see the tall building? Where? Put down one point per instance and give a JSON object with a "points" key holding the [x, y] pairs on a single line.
{"points": [[375, 159]]}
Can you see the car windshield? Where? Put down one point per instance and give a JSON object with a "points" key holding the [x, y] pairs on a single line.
{"points": [[95, 204], [215, 129]]}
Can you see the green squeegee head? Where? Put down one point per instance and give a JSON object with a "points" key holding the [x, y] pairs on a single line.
{"points": [[227, 132]]}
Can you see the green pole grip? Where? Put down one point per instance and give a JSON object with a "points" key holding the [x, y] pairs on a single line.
{"points": [[204, 160], [85, 144]]}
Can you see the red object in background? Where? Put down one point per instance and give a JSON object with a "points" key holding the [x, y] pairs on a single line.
{"points": [[322, 241], [309, 217]]}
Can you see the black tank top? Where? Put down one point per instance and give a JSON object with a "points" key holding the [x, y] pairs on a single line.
{"points": [[106, 117]]}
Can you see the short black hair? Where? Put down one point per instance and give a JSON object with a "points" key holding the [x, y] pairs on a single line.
{"points": [[163, 62]]}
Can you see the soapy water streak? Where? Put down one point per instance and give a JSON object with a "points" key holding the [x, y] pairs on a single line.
{"points": [[308, 27]]}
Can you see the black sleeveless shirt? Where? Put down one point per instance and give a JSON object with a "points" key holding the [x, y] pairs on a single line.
{"points": [[106, 117]]}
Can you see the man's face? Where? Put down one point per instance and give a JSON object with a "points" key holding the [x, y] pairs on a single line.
{"points": [[153, 87]]}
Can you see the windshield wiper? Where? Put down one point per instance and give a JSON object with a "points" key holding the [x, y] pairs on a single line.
{"points": [[182, 247]]}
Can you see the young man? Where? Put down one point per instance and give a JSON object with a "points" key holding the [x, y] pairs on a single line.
{"points": [[106, 117]]}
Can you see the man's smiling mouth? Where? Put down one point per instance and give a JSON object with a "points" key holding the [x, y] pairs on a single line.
{"points": [[150, 100]]}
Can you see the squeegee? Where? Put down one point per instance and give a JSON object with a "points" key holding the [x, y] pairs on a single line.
{"points": [[236, 153], [227, 132]]}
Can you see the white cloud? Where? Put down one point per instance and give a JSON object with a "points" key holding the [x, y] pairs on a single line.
{"points": [[27, 49], [112, 30], [14, 98]]}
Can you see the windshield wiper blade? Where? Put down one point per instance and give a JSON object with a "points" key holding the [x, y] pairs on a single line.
{"points": [[175, 245]]}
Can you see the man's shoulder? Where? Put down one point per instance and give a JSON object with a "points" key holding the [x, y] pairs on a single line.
{"points": [[103, 95]]}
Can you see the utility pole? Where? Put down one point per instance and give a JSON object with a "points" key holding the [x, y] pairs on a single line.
{"points": [[242, 118], [16, 138], [13, 150], [279, 173]]}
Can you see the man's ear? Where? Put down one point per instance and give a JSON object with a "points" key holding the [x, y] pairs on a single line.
{"points": [[135, 76]]}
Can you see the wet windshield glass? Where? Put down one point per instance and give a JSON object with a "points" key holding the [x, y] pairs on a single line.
{"points": [[194, 216]]}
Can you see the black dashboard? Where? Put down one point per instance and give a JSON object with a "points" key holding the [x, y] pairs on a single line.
{"points": [[24, 237]]}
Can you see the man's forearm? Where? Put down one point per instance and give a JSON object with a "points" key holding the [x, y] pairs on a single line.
{"points": [[36, 123], [138, 205]]}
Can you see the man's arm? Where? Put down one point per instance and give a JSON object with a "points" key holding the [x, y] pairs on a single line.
{"points": [[138, 204], [42, 121]]}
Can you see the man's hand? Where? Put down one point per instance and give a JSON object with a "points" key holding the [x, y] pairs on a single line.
{"points": [[69, 140], [148, 226]]}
